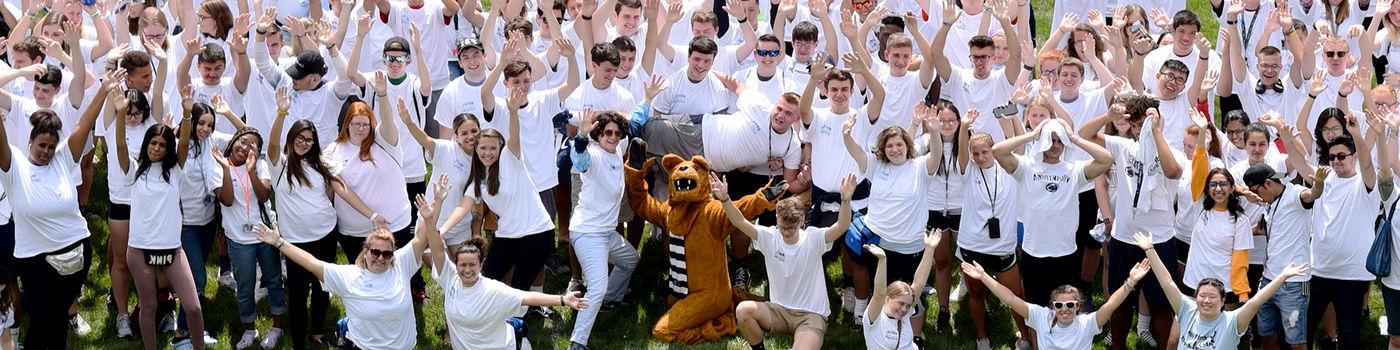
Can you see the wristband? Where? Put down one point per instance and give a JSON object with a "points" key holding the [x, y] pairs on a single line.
{"points": [[947, 24], [373, 216], [586, 18], [1342, 96], [280, 243], [1312, 96], [561, 300], [1232, 22], [743, 20]]}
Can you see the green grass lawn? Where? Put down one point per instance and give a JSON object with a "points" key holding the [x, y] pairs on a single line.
{"points": [[619, 329]]}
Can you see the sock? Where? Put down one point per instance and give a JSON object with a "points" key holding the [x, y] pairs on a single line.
{"points": [[861, 304], [1143, 322]]}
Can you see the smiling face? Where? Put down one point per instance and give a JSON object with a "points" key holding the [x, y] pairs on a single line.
{"points": [[770, 61], [303, 142], [1220, 187], [395, 61], [1171, 82], [948, 124], [610, 137], [1269, 66], [1065, 315], [471, 60], [245, 147], [1331, 129], [899, 57], [1209, 301], [839, 92], [698, 65], [895, 149], [374, 251], [1257, 144], [629, 61], [465, 135], [488, 150], [1234, 129], [42, 148], [1184, 37], [630, 19], [604, 73], [469, 268], [898, 306], [204, 127], [784, 114]]}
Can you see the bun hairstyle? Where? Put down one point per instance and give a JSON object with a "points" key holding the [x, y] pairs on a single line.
{"points": [[45, 122]]}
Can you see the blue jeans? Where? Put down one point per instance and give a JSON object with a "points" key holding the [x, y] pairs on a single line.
{"points": [[246, 257], [1286, 312], [197, 241], [595, 251]]}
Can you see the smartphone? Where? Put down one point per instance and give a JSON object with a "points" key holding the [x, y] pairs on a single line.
{"points": [[1008, 109], [994, 228], [1138, 29]]}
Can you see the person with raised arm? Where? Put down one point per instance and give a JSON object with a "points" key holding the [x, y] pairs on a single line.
{"points": [[886, 321], [792, 253], [451, 157], [243, 194], [1059, 324], [52, 247], [977, 85], [1204, 324]]}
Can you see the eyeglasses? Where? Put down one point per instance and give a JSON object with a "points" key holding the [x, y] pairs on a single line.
{"points": [[1234, 131], [392, 58], [1064, 304], [1335, 129], [767, 53], [305, 141], [204, 16], [1335, 54], [1338, 156], [1179, 79], [1270, 66], [612, 133], [1050, 72], [981, 57], [361, 126], [1218, 184], [948, 120], [383, 254]]}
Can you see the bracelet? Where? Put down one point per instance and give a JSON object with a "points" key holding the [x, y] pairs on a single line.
{"points": [[1342, 96], [384, 95], [1028, 67], [1207, 58], [1232, 22], [561, 300], [373, 216], [1312, 96], [280, 243], [743, 20], [586, 18], [947, 24]]}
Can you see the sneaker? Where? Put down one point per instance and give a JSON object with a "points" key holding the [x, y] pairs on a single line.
{"points": [[249, 337], [76, 322], [270, 339], [958, 292], [1022, 344], [984, 344], [613, 305], [124, 326], [848, 299], [226, 280], [928, 290], [210, 341], [574, 286], [542, 311], [1146, 338], [944, 323], [1108, 340], [1385, 324], [577, 346], [168, 323], [182, 343]]}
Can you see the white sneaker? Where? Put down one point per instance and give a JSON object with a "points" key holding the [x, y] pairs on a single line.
{"points": [[168, 323], [270, 339], [249, 337], [1385, 324], [226, 280], [848, 299], [123, 326], [77, 323], [958, 292], [210, 341], [984, 344]]}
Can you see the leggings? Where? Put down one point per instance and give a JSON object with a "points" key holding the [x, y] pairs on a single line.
{"points": [[300, 282], [178, 274], [47, 296], [525, 254]]}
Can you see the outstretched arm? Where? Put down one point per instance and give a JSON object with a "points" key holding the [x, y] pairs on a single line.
{"points": [[1246, 313], [1136, 274], [853, 147], [270, 236], [1160, 270], [721, 192], [877, 299], [975, 271]]}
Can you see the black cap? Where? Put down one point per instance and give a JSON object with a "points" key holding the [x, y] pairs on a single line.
{"points": [[1258, 173], [308, 62], [397, 44], [469, 42]]}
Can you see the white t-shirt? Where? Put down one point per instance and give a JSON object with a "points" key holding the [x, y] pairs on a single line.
{"points": [[1155, 217], [1290, 233], [1090, 104], [435, 34], [118, 188], [774, 87], [1197, 334], [825, 135], [307, 214], [968, 92], [684, 97], [414, 164], [945, 188], [614, 98], [600, 199], [1214, 239], [516, 201], [476, 315], [378, 183], [538, 142], [1051, 195], [450, 159], [156, 200], [896, 211], [244, 212], [989, 193], [204, 93], [460, 96], [45, 202], [795, 277], [885, 333], [1051, 335], [377, 304], [746, 138], [1285, 103], [1343, 228], [1159, 57], [901, 93], [197, 183]]}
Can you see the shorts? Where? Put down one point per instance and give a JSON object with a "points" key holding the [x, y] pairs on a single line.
{"points": [[547, 199], [900, 267], [1088, 218], [1287, 312], [1040, 276], [937, 219], [119, 212], [1183, 250], [789, 321], [990, 263], [1121, 259]]}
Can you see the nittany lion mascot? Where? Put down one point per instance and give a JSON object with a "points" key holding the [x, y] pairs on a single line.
{"points": [[702, 301]]}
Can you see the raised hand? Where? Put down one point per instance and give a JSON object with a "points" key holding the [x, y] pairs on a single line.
{"points": [[673, 11], [1317, 84], [381, 83], [220, 106], [1156, 117], [787, 9], [1320, 177], [154, 49], [853, 61], [1159, 18], [1142, 240], [875, 251], [113, 79], [284, 100], [1233, 12], [719, 187], [517, 98], [566, 47], [586, 122], [932, 238], [1097, 21], [654, 87], [1208, 82], [1140, 270], [971, 117], [848, 125], [819, 9], [848, 186], [187, 96]]}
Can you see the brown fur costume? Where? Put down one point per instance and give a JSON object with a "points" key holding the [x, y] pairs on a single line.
{"points": [[706, 312]]}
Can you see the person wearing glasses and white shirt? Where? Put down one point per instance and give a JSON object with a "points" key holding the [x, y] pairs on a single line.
{"points": [[1059, 325]]}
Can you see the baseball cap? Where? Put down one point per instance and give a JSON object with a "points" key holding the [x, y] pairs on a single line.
{"points": [[308, 62], [469, 42], [397, 44], [1256, 174]]}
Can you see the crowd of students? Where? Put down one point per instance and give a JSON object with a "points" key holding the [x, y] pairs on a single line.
{"points": [[1223, 193]]}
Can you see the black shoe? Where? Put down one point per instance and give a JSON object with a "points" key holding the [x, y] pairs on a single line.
{"points": [[943, 321], [919, 342], [577, 346], [613, 305], [1328, 344]]}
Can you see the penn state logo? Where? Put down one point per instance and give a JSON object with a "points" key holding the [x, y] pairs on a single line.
{"points": [[1052, 187]]}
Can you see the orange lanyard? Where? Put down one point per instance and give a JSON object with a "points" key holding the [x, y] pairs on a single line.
{"points": [[248, 203]]}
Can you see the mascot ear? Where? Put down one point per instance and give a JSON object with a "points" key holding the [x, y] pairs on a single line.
{"points": [[670, 162], [701, 163]]}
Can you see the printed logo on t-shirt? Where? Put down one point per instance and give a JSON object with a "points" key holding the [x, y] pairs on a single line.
{"points": [[826, 130], [1052, 181], [1197, 341], [460, 166], [781, 256]]}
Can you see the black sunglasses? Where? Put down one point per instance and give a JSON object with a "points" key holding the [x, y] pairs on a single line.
{"points": [[1065, 304], [385, 254], [1335, 54]]}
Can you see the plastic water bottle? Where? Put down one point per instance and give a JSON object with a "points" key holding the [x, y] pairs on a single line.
{"points": [[1097, 232]]}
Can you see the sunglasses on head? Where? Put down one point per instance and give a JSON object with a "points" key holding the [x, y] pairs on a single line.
{"points": [[767, 53], [1065, 304], [384, 254], [391, 58], [1336, 54]]}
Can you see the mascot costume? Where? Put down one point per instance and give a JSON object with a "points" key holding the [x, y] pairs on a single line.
{"points": [[702, 300]]}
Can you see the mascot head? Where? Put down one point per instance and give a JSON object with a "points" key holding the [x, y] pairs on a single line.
{"points": [[689, 179]]}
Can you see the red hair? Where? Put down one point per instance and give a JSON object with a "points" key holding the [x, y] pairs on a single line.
{"points": [[358, 108]]}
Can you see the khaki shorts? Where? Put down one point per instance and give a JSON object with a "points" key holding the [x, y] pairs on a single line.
{"points": [[789, 321]]}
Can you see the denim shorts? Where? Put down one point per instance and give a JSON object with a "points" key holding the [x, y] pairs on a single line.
{"points": [[1287, 311]]}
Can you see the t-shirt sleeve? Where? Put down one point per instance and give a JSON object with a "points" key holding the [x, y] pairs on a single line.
{"points": [[263, 172], [764, 242], [1037, 316], [335, 278], [1021, 162], [403, 257], [1186, 311]]}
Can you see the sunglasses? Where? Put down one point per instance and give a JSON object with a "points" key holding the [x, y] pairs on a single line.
{"points": [[767, 53], [391, 58], [383, 254], [1218, 184], [1336, 54], [863, 5], [1065, 304], [1339, 156]]}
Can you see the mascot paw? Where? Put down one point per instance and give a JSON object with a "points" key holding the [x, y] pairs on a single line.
{"points": [[772, 193], [637, 153]]}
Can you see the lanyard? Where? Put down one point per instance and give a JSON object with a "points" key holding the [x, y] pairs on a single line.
{"points": [[247, 203], [1249, 31], [991, 191], [1137, 190]]}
